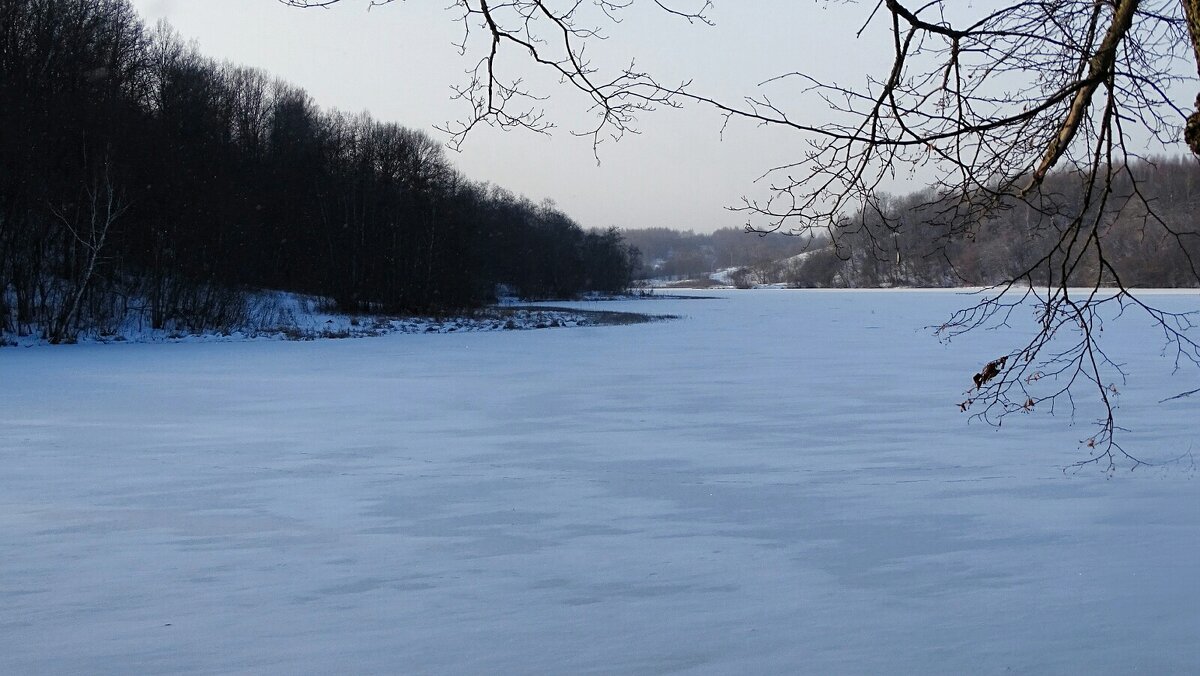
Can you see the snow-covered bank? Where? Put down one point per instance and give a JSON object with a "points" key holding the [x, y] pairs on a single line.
{"points": [[288, 316], [780, 482]]}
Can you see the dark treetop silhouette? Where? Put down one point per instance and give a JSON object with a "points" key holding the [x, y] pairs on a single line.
{"points": [[142, 182]]}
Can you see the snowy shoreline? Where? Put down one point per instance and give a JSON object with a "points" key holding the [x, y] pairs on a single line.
{"points": [[292, 317]]}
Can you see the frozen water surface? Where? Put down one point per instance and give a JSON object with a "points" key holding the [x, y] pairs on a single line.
{"points": [[779, 482]]}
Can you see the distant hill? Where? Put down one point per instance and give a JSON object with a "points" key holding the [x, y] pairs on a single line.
{"points": [[1153, 241], [676, 254]]}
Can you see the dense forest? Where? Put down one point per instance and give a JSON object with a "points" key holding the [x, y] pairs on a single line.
{"points": [[1150, 230], [139, 177]]}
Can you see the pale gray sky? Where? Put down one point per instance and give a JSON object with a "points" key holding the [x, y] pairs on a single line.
{"points": [[398, 62]]}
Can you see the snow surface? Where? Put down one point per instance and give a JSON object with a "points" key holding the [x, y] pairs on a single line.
{"points": [[779, 482]]}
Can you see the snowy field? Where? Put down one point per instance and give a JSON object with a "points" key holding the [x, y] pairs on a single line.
{"points": [[779, 482]]}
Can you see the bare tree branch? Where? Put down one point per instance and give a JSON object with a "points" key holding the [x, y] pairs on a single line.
{"points": [[1003, 106]]}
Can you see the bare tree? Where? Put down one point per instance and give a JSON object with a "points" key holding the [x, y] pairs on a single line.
{"points": [[89, 223], [1002, 104]]}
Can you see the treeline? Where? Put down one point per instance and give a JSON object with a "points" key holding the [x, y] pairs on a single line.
{"points": [[675, 254], [1150, 236], [138, 177]]}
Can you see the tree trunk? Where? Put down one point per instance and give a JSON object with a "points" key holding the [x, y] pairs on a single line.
{"points": [[1191, 133]]}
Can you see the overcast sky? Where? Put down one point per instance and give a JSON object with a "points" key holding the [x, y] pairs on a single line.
{"points": [[399, 61]]}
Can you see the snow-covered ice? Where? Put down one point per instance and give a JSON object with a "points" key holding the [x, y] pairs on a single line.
{"points": [[778, 482]]}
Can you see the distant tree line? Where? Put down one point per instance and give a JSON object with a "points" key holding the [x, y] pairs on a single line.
{"points": [[139, 177], [676, 254], [1151, 235]]}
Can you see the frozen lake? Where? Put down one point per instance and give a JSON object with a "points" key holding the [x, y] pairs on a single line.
{"points": [[778, 482]]}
